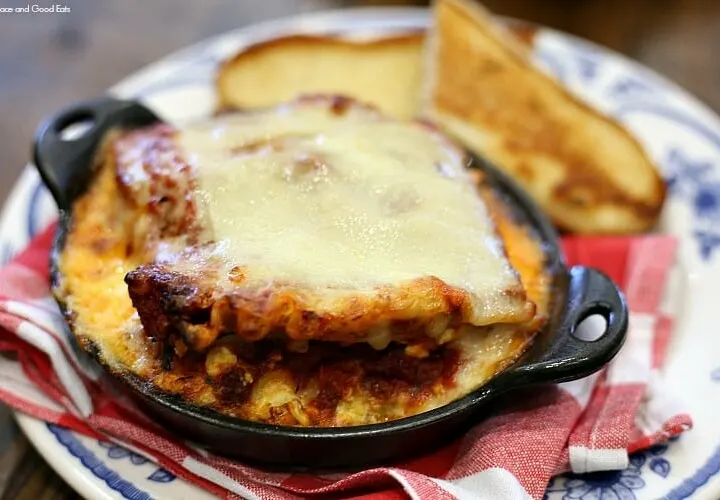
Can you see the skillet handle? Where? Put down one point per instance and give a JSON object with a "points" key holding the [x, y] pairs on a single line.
{"points": [[63, 162], [569, 357]]}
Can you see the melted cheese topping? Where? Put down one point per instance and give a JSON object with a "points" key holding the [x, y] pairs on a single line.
{"points": [[341, 200], [95, 261]]}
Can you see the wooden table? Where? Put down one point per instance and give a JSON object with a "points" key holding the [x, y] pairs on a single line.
{"points": [[49, 60]]}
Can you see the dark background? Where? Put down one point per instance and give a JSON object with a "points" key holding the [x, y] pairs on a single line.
{"points": [[49, 60]]}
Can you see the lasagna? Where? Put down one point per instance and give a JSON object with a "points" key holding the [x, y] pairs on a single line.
{"points": [[313, 264]]}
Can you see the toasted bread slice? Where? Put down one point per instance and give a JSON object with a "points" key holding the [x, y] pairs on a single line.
{"points": [[583, 168], [384, 72]]}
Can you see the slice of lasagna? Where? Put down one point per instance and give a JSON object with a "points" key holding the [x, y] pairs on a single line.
{"points": [[317, 220]]}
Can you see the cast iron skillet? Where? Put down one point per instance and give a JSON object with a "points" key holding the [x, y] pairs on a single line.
{"points": [[557, 354]]}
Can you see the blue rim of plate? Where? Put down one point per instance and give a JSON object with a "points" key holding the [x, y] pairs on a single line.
{"points": [[96, 465]]}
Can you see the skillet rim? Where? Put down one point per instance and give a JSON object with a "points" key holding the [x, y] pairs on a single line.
{"points": [[500, 382]]}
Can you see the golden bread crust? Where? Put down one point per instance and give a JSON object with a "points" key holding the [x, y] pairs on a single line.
{"points": [[587, 171], [280, 69]]}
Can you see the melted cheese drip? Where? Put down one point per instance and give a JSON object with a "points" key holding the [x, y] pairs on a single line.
{"points": [[306, 197]]}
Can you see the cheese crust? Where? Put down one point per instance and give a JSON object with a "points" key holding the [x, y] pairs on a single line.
{"points": [[328, 385], [318, 220], [128, 223]]}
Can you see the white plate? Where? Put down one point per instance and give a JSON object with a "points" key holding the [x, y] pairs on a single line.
{"points": [[681, 134]]}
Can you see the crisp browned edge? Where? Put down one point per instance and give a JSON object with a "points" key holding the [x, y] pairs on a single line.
{"points": [[338, 105], [145, 387]]}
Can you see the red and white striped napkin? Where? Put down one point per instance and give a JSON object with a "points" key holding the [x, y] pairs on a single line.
{"points": [[587, 425]]}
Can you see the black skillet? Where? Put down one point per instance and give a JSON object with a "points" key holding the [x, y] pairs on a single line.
{"points": [[557, 354]]}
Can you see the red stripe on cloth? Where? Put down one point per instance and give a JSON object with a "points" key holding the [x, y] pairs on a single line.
{"points": [[436, 464], [60, 340], [423, 487], [109, 404], [650, 260], [607, 253], [674, 426], [534, 424], [396, 494], [35, 364], [609, 421], [378, 479], [27, 276], [375, 478], [20, 283], [80, 426], [584, 427], [136, 434], [38, 374], [35, 255], [20, 404], [236, 467], [663, 330], [6, 346], [10, 324], [677, 424], [252, 483], [615, 421], [41, 364], [307, 482]]}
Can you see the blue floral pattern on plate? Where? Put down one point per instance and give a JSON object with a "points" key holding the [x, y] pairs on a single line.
{"points": [[162, 476], [117, 452], [630, 86], [604, 485], [612, 485], [90, 461], [692, 179]]}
